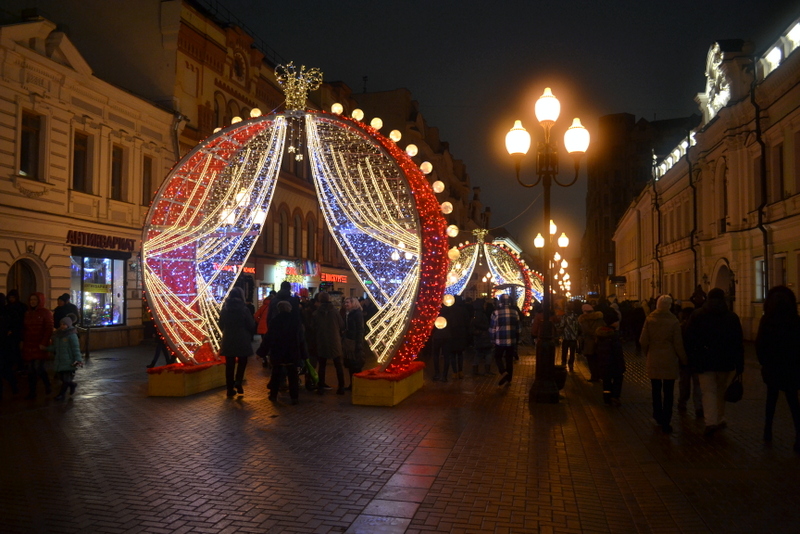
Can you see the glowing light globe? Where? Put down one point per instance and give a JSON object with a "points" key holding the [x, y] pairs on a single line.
{"points": [[217, 129], [449, 300], [337, 109], [452, 230], [235, 120], [412, 150], [395, 255], [376, 123], [453, 254], [452, 278], [438, 186], [255, 112], [395, 135], [440, 322], [357, 114], [447, 208], [426, 167]]}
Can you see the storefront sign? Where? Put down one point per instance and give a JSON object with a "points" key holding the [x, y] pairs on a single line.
{"points": [[96, 288], [235, 268], [328, 277], [100, 241]]}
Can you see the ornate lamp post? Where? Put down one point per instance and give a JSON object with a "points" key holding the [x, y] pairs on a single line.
{"points": [[518, 142]]}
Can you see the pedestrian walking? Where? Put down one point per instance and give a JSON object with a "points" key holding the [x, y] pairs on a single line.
{"points": [[353, 339], [610, 357], [237, 325], [63, 308], [67, 357], [570, 330], [505, 330], [439, 346], [778, 351], [262, 315], [715, 348], [37, 329], [589, 322], [285, 345], [328, 326], [688, 380], [662, 343], [459, 324], [481, 338]]}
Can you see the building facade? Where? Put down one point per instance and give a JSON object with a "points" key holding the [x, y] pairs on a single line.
{"points": [[723, 209], [80, 160]]}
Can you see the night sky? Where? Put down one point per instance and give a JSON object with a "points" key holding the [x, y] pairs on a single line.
{"points": [[474, 67]]}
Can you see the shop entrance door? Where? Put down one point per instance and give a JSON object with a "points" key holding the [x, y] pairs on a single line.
{"points": [[22, 277]]}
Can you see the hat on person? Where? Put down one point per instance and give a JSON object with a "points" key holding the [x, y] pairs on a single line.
{"points": [[716, 294], [66, 321], [64, 297], [587, 308], [664, 302], [610, 317]]}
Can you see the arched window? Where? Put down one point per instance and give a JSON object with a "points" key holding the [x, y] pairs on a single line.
{"points": [[219, 111], [298, 235], [311, 237], [283, 234], [230, 112]]}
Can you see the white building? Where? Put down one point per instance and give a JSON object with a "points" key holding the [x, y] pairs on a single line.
{"points": [[79, 162], [723, 209]]}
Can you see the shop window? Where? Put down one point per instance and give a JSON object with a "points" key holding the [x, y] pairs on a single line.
{"points": [[117, 173], [81, 172], [99, 287], [147, 180], [30, 143]]}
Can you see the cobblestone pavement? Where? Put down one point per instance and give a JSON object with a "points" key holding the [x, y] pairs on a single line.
{"points": [[462, 456]]}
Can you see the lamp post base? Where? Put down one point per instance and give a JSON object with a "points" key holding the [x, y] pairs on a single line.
{"points": [[544, 391]]}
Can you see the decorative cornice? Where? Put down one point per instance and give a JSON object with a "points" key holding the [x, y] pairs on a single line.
{"points": [[30, 188]]}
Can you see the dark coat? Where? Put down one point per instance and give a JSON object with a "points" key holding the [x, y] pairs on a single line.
{"points": [[714, 339], [62, 311], [480, 330], [458, 322], [238, 326], [284, 340], [608, 349], [38, 328], [778, 350], [354, 329], [328, 326]]}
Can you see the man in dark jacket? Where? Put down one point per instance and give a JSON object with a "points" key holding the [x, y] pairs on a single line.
{"points": [[63, 308], [715, 348]]}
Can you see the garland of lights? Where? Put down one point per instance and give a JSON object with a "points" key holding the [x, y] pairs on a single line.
{"points": [[208, 214]]}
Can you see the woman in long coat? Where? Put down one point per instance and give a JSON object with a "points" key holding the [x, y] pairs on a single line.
{"points": [[36, 332], [238, 327], [778, 353], [662, 342], [284, 342], [328, 325], [354, 338]]}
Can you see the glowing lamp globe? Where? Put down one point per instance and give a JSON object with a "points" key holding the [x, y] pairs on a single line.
{"points": [[440, 322], [236, 119], [217, 129], [538, 241], [395, 255], [557, 256], [452, 230], [563, 240], [255, 112], [553, 227], [412, 150], [426, 167], [395, 135], [438, 186], [518, 140], [452, 278], [408, 255], [337, 109], [447, 208], [547, 108], [453, 254], [357, 114], [576, 138], [449, 300], [376, 123], [564, 264]]}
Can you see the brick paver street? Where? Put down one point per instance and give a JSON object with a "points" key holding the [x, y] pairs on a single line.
{"points": [[461, 456]]}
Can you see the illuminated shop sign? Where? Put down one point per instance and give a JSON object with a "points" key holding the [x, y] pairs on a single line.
{"points": [[100, 241], [328, 277]]}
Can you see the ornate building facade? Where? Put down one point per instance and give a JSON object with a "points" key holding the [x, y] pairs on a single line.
{"points": [[723, 207]]}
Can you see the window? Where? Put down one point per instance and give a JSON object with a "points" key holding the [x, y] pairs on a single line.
{"points": [[147, 180], [298, 235], [760, 291], [311, 252], [117, 169], [81, 174], [99, 284], [778, 183], [30, 141], [283, 234], [779, 271], [757, 181]]}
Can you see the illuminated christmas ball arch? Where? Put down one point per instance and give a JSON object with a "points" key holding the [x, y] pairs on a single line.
{"points": [[506, 266], [208, 214]]}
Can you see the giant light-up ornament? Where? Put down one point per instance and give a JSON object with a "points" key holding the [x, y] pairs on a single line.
{"points": [[209, 212], [506, 266]]}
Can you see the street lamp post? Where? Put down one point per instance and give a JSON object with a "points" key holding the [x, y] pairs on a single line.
{"points": [[518, 142]]}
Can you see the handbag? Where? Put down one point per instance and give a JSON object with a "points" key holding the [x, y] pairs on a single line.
{"points": [[735, 389]]}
